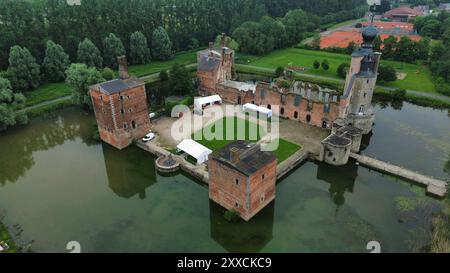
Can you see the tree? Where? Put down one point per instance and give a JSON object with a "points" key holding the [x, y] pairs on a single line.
{"points": [[279, 71], [161, 44], [139, 51], [390, 44], [89, 54], [112, 48], [9, 103], [377, 43], [108, 74], [23, 71], [55, 63], [180, 80], [387, 73], [296, 22], [325, 65], [431, 29], [351, 47], [80, 77], [316, 64], [163, 75], [342, 70], [229, 42]]}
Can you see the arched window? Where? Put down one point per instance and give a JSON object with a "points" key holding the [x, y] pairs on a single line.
{"points": [[361, 109]]}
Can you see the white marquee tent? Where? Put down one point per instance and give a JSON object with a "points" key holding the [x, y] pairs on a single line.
{"points": [[194, 149], [199, 103], [259, 109]]}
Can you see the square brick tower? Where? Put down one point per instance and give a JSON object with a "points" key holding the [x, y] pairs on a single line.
{"points": [[215, 65], [120, 107], [243, 178]]}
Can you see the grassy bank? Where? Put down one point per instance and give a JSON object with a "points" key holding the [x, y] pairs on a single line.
{"points": [[418, 76], [5, 237], [44, 110], [47, 92], [384, 94], [51, 91]]}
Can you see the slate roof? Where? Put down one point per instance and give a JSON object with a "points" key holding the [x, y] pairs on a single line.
{"points": [[119, 85], [251, 160], [208, 64], [336, 140]]}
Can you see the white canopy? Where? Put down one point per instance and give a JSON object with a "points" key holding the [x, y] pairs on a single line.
{"points": [[202, 101], [259, 109], [194, 149]]}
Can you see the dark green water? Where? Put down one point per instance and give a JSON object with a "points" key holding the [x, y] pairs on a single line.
{"points": [[60, 186]]}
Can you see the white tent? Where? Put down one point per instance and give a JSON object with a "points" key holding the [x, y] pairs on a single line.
{"points": [[259, 109], [194, 149], [204, 101]]}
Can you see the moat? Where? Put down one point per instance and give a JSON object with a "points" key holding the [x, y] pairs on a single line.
{"points": [[59, 185]]}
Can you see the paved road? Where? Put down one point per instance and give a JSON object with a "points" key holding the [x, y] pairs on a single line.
{"points": [[409, 91], [155, 76]]}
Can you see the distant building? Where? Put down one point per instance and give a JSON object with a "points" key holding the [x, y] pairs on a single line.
{"points": [[242, 177], [402, 14], [424, 9], [120, 108], [444, 6]]}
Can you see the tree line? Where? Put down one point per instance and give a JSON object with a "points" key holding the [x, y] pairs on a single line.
{"points": [[188, 23], [437, 28]]}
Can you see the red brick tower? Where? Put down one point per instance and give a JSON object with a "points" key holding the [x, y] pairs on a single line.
{"points": [[215, 65], [243, 178], [120, 108]]}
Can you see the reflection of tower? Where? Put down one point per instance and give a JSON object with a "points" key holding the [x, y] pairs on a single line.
{"points": [[242, 237], [341, 180], [365, 142], [130, 171]]}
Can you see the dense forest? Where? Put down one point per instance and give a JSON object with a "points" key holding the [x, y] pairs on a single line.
{"points": [[189, 23]]}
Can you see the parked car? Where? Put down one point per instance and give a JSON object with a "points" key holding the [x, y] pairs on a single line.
{"points": [[148, 137]]}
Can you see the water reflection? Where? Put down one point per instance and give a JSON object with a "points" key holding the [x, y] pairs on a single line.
{"points": [[341, 180], [19, 144], [129, 172], [243, 236]]}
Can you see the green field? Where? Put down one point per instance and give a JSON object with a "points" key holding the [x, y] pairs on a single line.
{"points": [[46, 92], [184, 58], [285, 149], [418, 76], [51, 91]]}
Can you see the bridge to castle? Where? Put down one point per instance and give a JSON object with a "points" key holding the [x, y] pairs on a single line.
{"points": [[434, 186]]}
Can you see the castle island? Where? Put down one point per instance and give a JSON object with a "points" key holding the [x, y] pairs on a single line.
{"points": [[242, 177]]}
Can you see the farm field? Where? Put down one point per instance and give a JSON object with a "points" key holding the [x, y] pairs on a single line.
{"points": [[418, 76]]}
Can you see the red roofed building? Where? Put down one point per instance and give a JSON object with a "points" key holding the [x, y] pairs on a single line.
{"points": [[402, 14]]}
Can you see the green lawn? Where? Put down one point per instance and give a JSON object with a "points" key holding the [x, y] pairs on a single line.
{"points": [[285, 149], [46, 92], [217, 144], [51, 91], [418, 76], [184, 58], [345, 23]]}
